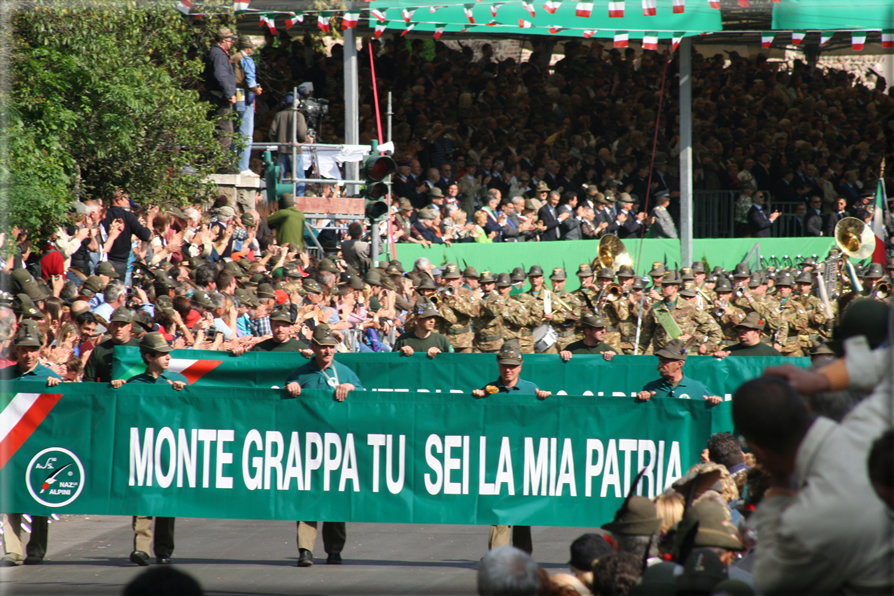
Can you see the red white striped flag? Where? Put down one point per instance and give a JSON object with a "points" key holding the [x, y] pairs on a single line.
{"points": [[650, 40], [583, 9], [184, 6], [679, 6], [380, 29], [649, 8], [858, 40], [676, 39], [468, 9], [552, 6], [743, 3], [616, 9], [888, 38], [439, 30], [621, 39], [714, 4], [530, 8], [590, 33], [435, 9], [878, 225], [323, 22], [523, 24], [408, 29], [349, 21], [294, 18], [241, 5], [269, 22], [825, 36], [19, 419], [407, 14], [767, 39], [797, 38], [379, 14], [494, 8], [555, 29]]}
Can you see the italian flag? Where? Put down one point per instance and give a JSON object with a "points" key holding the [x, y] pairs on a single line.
{"points": [[241, 6], [467, 9], [679, 6], [621, 39], [583, 9], [888, 38], [439, 30], [767, 39], [184, 6], [555, 29], [407, 14], [492, 23], [435, 9], [714, 4], [590, 33], [878, 225], [323, 22], [797, 38], [349, 21], [649, 8], [408, 29], [551, 6], [825, 36], [650, 40], [380, 29], [616, 9], [379, 14], [523, 24], [858, 39], [530, 8], [677, 38], [20, 417], [269, 22], [294, 18], [494, 8]]}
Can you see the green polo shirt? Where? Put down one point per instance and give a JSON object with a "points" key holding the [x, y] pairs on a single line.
{"points": [[686, 389], [39, 373], [522, 387], [162, 379], [434, 340], [579, 347], [760, 349], [310, 376], [271, 345]]}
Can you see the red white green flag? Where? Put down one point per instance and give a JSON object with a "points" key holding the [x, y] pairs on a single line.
{"points": [[583, 9], [888, 38], [650, 8], [621, 39], [407, 14], [523, 24], [323, 21], [797, 38], [439, 30], [679, 6], [858, 40], [650, 40], [767, 39], [184, 6], [590, 33], [552, 6], [530, 8], [241, 5], [20, 418], [878, 225], [468, 9], [269, 22], [616, 10]]}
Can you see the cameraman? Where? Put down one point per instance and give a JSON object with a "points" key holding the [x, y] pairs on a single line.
{"points": [[281, 132]]}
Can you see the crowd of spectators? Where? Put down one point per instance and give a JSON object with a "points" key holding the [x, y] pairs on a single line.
{"points": [[468, 125]]}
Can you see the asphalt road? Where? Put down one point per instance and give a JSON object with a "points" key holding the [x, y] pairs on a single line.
{"points": [[89, 555]]}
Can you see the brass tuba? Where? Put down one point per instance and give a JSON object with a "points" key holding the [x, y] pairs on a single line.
{"points": [[612, 254], [854, 238]]}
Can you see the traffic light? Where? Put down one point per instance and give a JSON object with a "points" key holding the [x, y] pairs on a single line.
{"points": [[275, 188], [376, 168]]}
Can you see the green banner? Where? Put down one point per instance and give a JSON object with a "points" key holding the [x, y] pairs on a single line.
{"points": [[397, 458], [455, 373], [504, 256]]}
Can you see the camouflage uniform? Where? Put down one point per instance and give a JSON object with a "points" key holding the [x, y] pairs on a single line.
{"points": [[817, 320], [521, 324], [728, 322], [539, 298], [458, 312], [688, 319], [794, 327], [614, 313], [769, 311], [565, 321], [628, 325], [489, 324]]}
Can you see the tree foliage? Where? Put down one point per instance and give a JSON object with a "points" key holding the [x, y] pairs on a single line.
{"points": [[106, 95]]}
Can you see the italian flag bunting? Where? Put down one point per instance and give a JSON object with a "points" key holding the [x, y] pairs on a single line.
{"points": [[552, 6], [888, 38], [650, 40], [435, 9], [677, 38], [491, 23], [878, 224], [621, 39], [858, 39], [494, 8], [241, 6], [797, 38], [530, 8], [379, 14], [349, 21], [649, 8], [323, 21], [523, 24], [590, 33], [825, 36], [616, 9], [679, 6], [767, 39], [468, 10], [294, 17], [408, 29], [439, 30], [555, 29], [583, 9], [184, 6], [269, 22], [407, 14], [380, 29], [714, 4]]}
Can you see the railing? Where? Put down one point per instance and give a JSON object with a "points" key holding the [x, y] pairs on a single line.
{"points": [[714, 213]]}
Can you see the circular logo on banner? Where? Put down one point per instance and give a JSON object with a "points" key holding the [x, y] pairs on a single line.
{"points": [[55, 477]]}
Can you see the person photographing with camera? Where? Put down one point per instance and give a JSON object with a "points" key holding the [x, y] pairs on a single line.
{"points": [[121, 221]]}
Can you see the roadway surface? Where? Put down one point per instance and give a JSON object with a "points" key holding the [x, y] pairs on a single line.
{"points": [[89, 555]]}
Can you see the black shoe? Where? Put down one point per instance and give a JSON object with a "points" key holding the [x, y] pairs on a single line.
{"points": [[305, 558], [163, 560], [333, 559], [32, 560], [140, 558]]}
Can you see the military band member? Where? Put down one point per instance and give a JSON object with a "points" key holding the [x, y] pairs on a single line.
{"points": [[749, 331], [727, 315], [870, 278], [488, 325], [817, 316], [674, 318], [793, 315], [593, 342], [708, 328], [535, 300], [636, 302], [518, 320], [570, 308], [458, 308], [611, 306], [626, 277]]}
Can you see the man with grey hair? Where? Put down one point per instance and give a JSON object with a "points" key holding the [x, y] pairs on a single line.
{"points": [[115, 295], [219, 312], [422, 264], [508, 571]]}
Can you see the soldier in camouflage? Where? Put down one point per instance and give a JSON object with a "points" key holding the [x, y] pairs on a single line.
{"points": [[709, 327], [730, 315], [793, 316], [535, 300], [458, 310], [613, 308], [522, 313], [569, 310], [673, 318], [488, 325], [635, 302], [818, 321]]}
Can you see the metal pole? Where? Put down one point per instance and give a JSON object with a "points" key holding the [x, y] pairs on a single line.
{"points": [[685, 50], [389, 113], [352, 101], [374, 245], [294, 137], [888, 70]]}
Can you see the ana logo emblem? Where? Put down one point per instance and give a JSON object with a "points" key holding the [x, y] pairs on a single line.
{"points": [[55, 477]]}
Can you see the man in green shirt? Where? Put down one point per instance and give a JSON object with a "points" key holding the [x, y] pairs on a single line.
{"points": [[673, 383], [423, 338], [593, 341], [282, 340], [156, 354], [749, 340], [322, 372], [510, 359], [288, 222], [26, 350], [99, 366]]}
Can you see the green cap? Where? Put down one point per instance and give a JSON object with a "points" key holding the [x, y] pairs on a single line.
{"points": [[426, 309], [323, 336], [121, 315], [25, 307], [710, 522], [584, 270], [311, 286], [154, 342], [246, 297], [675, 350], [451, 271], [752, 321], [201, 298], [281, 313], [27, 334], [265, 292], [486, 277], [535, 271], [636, 517], [504, 280], [471, 273], [105, 268], [510, 353], [328, 265], [558, 274], [593, 321]]}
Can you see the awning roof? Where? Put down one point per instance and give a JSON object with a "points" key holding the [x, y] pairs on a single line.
{"points": [[833, 15]]}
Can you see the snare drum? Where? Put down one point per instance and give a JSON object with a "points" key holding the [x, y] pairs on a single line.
{"points": [[544, 338]]}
